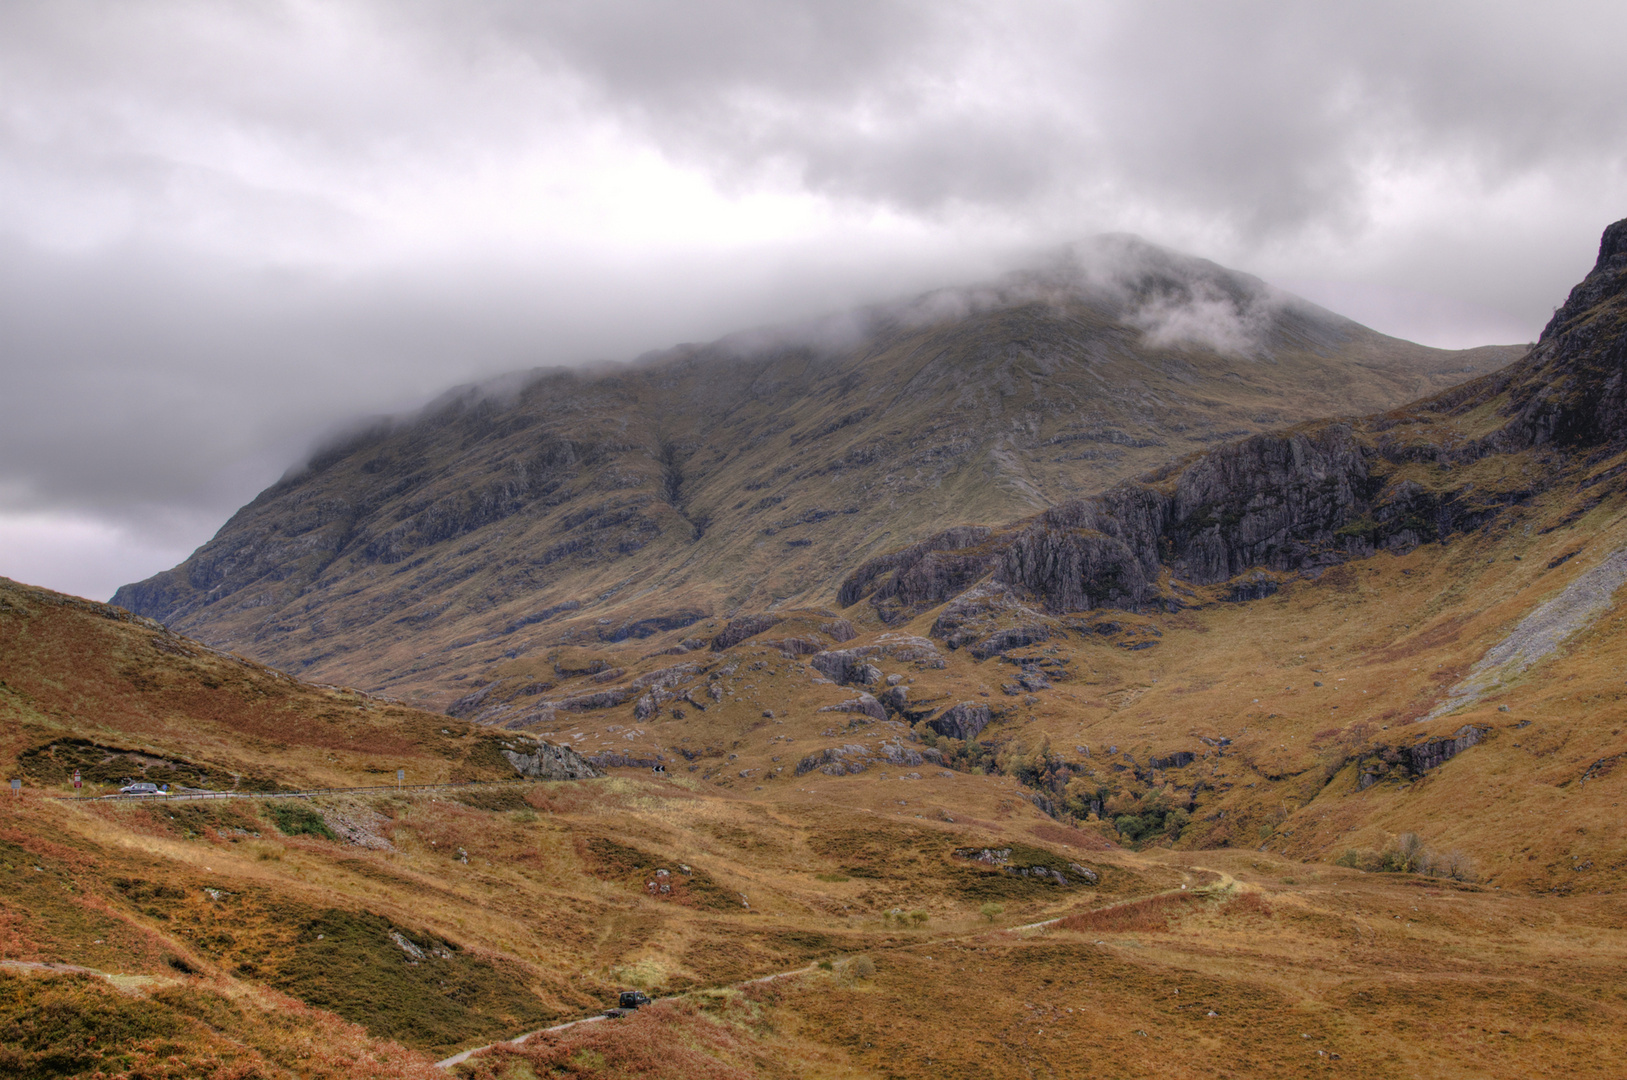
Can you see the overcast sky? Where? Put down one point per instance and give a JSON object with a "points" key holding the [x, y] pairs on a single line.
{"points": [[226, 228]]}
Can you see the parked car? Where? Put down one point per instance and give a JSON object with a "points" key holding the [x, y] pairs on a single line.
{"points": [[141, 787], [629, 1003]]}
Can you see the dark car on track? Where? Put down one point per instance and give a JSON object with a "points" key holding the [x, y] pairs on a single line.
{"points": [[629, 1003]]}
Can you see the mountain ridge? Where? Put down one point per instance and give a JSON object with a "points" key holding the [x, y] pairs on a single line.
{"points": [[747, 474]]}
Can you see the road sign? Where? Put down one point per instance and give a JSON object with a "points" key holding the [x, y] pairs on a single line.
{"points": [[400, 775], [16, 786]]}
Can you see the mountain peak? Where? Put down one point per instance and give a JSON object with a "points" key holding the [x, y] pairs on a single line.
{"points": [[1607, 278], [755, 472], [1613, 242]]}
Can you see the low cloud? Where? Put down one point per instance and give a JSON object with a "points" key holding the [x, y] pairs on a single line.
{"points": [[1208, 319]]}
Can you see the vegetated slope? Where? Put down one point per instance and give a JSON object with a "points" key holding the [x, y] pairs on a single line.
{"points": [[1283, 973], [750, 474], [1525, 464], [89, 687]]}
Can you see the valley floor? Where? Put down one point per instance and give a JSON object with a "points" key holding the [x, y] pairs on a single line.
{"points": [[241, 950]]}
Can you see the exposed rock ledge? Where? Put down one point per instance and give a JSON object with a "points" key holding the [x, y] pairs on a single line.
{"points": [[552, 762], [1301, 499]]}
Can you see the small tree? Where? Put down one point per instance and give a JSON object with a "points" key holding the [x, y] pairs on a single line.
{"points": [[991, 910], [1077, 796], [860, 967], [1364, 860], [1406, 854], [1457, 865]]}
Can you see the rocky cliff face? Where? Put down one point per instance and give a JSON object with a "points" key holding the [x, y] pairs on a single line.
{"points": [[551, 762], [754, 473], [1571, 390], [1299, 500]]}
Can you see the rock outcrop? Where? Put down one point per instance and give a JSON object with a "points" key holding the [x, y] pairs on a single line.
{"points": [[848, 667], [863, 705], [1299, 500], [747, 626], [847, 760], [551, 762], [1432, 753], [964, 721]]}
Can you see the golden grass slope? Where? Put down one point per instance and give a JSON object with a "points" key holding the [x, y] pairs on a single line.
{"points": [[1260, 968], [124, 698]]}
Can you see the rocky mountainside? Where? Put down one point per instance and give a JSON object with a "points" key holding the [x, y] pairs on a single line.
{"points": [[1299, 500], [754, 473], [865, 912], [1291, 637]]}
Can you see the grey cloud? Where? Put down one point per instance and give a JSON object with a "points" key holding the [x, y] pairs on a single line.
{"points": [[1271, 115], [224, 229], [138, 383]]}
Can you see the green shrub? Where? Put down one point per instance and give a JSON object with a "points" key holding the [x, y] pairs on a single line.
{"points": [[1366, 861], [1408, 854], [436, 997], [991, 910], [297, 819], [1132, 826]]}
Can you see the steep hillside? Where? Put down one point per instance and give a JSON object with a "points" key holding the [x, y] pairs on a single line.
{"points": [[89, 687], [366, 933], [1299, 500], [1443, 577], [753, 473], [1299, 755]]}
